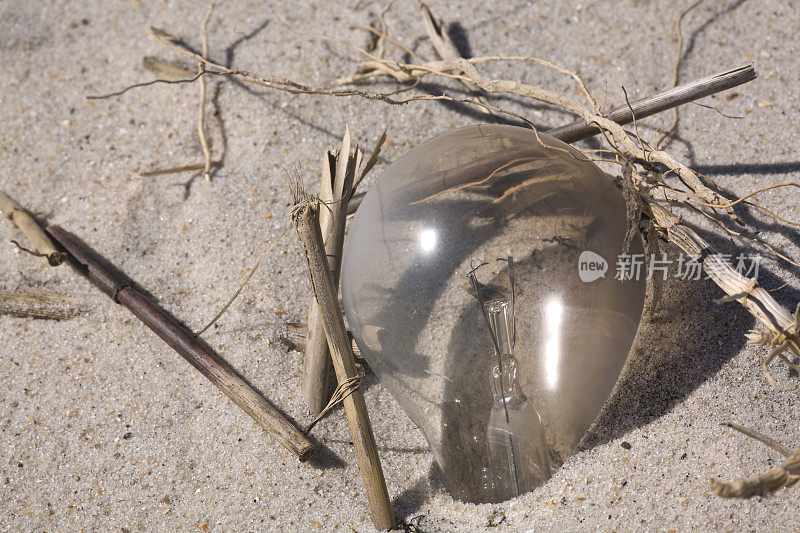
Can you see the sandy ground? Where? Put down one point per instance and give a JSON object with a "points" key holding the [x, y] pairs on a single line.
{"points": [[103, 427]]}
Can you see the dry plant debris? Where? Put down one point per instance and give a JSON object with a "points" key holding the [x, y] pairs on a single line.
{"points": [[647, 173], [784, 475], [38, 303]]}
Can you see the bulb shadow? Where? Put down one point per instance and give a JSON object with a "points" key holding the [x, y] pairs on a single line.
{"points": [[682, 343]]}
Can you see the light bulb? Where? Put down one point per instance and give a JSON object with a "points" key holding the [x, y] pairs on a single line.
{"points": [[478, 281]]}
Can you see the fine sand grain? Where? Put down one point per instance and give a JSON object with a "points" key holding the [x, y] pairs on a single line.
{"points": [[103, 427]]}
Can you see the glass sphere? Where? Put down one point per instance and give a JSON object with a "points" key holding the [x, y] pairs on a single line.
{"points": [[478, 281]]}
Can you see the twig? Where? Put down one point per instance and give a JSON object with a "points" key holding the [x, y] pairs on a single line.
{"points": [[783, 475], [760, 437], [201, 113], [306, 219], [676, 70], [26, 223], [201, 356], [644, 107], [192, 79], [463, 69], [293, 87], [669, 99]]}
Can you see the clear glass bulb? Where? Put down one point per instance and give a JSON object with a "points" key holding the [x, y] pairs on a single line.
{"points": [[462, 285]]}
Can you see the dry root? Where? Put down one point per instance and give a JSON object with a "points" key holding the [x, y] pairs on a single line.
{"points": [[783, 475]]}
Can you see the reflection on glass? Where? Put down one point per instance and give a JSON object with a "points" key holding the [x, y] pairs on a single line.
{"points": [[482, 329], [552, 345], [427, 239]]}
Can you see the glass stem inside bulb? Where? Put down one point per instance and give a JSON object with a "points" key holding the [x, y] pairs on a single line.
{"points": [[515, 435], [505, 383]]}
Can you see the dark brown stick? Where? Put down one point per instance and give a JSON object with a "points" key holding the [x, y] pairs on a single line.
{"points": [[306, 219], [201, 356], [682, 94]]}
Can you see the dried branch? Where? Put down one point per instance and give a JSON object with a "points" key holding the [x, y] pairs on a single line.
{"points": [[783, 327], [290, 86], [665, 100], [783, 475], [620, 137]]}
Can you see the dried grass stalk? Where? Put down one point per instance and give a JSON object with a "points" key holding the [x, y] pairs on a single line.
{"points": [[27, 224], [306, 219], [37, 303], [784, 475], [193, 349], [338, 180]]}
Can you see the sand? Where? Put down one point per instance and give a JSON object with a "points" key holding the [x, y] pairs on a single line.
{"points": [[103, 427]]}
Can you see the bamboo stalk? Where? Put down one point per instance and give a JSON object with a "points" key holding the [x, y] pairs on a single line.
{"points": [[201, 356], [26, 223], [306, 220]]}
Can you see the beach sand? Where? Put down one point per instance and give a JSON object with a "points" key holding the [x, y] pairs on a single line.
{"points": [[103, 427]]}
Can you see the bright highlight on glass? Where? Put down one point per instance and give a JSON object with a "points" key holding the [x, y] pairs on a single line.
{"points": [[482, 328], [427, 239], [552, 348]]}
